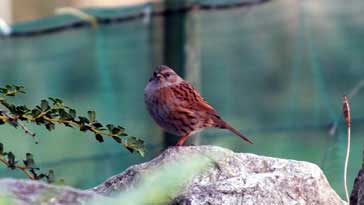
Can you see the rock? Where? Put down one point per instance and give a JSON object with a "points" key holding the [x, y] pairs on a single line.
{"points": [[225, 177], [236, 178], [28, 192], [357, 194]]}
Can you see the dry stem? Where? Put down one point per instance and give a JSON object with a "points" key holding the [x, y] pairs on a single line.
{"points": [[346, 111]]}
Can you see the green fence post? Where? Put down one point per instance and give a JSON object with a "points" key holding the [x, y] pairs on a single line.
{"points": [[157, 46], [192, 56], [181, 49]]}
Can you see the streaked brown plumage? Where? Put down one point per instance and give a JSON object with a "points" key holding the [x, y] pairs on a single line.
{"points": [[179, 108]]}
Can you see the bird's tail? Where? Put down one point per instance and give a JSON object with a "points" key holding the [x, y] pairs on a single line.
{"points": [[237, 132], [220, 123]]}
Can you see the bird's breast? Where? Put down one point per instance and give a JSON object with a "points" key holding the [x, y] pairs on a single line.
{"points": [[160, 105]]}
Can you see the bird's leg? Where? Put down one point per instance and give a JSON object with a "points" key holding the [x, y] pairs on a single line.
{"points": [[182, 139]]}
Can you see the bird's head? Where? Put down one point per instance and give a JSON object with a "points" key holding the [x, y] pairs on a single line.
{"points": [[165, 76]]}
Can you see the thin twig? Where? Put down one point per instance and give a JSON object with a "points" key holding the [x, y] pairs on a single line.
{"points": [[14, 120], [27, 131]]}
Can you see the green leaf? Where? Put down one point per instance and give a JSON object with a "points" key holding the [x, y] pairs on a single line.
{"points": [[116, 131], [97, 125], [91, 116], [41, 176], [29, 161], [83, 128], [51, 176], [83, 120], [59, 101], [67, 124], [1, 148], [21, 110], [99, 138], [117, 139], [18, 87], [11, 160], [50, 126], [64, 115], [134, 144], [36, 112], [56, 101], [11, 108], [110, 127], [72, 112], [52, 99], [35, 175], [44, 105]]}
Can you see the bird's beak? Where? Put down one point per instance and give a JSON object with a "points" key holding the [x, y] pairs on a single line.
{"points": [[159, 76]]}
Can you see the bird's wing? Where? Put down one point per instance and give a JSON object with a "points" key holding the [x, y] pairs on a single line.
{"points": [[189, 98]]}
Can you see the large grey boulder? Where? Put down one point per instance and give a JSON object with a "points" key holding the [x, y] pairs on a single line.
{"points": [[235, 178], [357, 193], [28, 192], [224, 178]]}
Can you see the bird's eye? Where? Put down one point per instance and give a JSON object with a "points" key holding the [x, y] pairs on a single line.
{"points": [[167, 75]]}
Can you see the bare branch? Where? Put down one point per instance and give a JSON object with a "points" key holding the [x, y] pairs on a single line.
{"points": [[13, 119]]}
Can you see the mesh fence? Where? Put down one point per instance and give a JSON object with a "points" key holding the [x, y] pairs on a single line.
{"points": [[277, 70]]}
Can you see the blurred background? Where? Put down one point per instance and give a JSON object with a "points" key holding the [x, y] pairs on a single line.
{"points": [[275, 69]]}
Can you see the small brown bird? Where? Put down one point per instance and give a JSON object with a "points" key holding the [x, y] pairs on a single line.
{"points": [[178, 108]]}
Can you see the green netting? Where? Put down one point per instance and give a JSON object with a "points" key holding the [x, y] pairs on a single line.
{"points": [[277, 71]]}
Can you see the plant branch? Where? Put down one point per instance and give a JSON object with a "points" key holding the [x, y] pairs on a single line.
{"points": [[48, 113], [13, 119], [22, 168], [61, 121]]}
